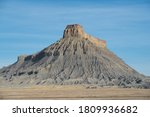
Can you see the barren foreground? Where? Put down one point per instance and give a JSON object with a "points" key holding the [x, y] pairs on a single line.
{"points": [[72, 92]]}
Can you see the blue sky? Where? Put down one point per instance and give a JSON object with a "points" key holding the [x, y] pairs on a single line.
{"points": [[27, 26]]}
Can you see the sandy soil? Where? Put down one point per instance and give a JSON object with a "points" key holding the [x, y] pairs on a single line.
{"points": [[72, 92]]}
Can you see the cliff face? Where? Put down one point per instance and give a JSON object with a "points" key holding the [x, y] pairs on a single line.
{"points": [[74, 31], [77, 31], [77, 58]]}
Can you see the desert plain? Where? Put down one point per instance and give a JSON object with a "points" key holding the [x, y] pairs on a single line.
{"points": [[67, 92]]}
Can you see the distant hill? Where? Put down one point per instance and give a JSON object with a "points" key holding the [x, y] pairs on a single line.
{"points": [[77, 58]]}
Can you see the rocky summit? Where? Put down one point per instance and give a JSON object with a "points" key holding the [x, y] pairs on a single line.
{"points": [[77, 58]]}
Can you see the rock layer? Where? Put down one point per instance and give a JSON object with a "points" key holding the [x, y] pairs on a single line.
{"points": [[77, 58]]}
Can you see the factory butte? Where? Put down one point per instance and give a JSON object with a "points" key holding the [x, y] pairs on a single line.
{"points": [[77, 58]]}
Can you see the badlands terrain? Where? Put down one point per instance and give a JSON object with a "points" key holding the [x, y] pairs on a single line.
{"points": [[77, 66]]}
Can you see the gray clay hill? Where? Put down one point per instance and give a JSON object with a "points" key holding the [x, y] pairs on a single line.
{"points": [[77, 58]]}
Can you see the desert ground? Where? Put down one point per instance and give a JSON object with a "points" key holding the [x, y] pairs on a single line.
{"points": [[72, 92]]}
